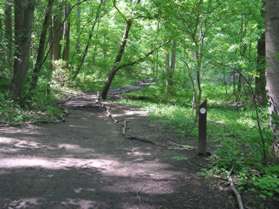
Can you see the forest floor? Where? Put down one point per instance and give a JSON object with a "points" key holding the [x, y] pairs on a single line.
{"points": [[86, 162]]}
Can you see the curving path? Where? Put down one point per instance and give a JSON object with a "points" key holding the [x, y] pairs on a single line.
{"points": [[86, 163]]}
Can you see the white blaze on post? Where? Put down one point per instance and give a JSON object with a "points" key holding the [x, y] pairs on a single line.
{"points": [[202, 110]]}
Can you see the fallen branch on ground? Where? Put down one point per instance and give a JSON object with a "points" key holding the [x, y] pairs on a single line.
{"points": [[124, 127], [235, 191], [142, 140], [180, 146]]}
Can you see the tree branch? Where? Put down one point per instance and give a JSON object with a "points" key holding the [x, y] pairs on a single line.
{"points": [[141, 59], [119, 11]]}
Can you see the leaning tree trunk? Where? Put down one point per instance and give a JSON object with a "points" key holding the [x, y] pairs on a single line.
{"points": [[272, 69], [24, 13], [118, 59], [89, 40], [41, 49]]}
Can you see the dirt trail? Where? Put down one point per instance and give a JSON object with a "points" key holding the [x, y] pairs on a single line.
{"points": [[86, 163]]}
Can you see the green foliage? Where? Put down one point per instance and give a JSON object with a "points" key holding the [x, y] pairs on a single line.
{"points": [[60, 74], [10, 112], [232, 131], [42, 109], [267, 185], [206, 44]]}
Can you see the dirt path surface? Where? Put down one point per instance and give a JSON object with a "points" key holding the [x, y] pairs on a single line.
{"points": [[86, 163]]}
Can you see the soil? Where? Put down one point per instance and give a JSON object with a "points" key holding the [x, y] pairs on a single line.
{"points": [[86, 162]]}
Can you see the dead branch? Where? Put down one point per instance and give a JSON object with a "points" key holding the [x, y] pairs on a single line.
{"points": [[179, 146], [142, 140], [235, 191]]}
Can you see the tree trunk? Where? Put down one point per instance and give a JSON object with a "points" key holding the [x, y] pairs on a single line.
{"points": [[199, 59], [1, 30], [167, 71], [8, 21], [272, 69], [170, 68], [2, 53], [90, 35], [66, 34], [24, 13], [260, 81], [78, 21], [41, 49], [57, 33], [118, 59]]}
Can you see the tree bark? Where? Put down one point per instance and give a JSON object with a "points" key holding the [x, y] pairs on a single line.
{"points": [[57, 33], [66, 34], [2, 53], [24, 14], [118, 59], [8, 21], [260, 81], [170, 68], [78, 21], [173, 56], [41, 49], [1, 30], [272, 67]]}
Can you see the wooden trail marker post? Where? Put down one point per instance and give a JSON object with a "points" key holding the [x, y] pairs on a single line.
{"points": [[202, 147]]}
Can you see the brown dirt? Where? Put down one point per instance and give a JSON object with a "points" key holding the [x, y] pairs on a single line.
{"points": [[86, 163]]}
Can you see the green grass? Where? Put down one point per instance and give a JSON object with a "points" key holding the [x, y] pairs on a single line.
{"points": [[233, 132]]}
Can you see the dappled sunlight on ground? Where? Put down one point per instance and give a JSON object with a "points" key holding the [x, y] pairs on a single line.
{"points": [[129, 113], [79, 203], [24, 203], [86, 163], [57, 163]]}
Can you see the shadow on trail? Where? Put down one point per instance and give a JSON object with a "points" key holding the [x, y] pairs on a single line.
{"points": [[86, 163]]}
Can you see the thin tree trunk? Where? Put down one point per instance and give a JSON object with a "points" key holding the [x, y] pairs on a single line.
{"points": [[272, 70], [2, 53], [66, 34], [24, 13], [78, 21], [170, 68], [1, 30], [167, 71], [41, 49], [118, 59], [8, 21], [198, 78], [90, 35]]}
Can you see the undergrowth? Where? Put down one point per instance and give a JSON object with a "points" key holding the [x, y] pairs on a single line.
{"points": [[232, 132], [42, 108]]}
